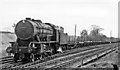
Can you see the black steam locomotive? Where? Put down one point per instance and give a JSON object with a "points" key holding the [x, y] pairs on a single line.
{"points": [[36, 40]]}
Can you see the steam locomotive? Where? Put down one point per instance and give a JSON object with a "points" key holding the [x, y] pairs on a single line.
{"points": [[37, 40]]}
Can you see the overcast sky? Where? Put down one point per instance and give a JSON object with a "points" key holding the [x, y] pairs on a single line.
{"points": [[65, 13]]}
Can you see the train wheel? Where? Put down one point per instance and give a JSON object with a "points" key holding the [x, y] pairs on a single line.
{"points": [[26, 58], [42, 56], [32, 57], [16, 57]]}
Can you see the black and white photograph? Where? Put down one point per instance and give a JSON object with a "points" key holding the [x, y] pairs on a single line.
{"points": [[59, 34]]}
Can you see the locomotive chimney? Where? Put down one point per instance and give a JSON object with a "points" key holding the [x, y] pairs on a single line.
{"points": [[28, 18]]}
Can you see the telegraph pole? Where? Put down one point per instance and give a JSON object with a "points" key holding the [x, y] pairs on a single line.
{"points": [[110, 36], [75, 32]]}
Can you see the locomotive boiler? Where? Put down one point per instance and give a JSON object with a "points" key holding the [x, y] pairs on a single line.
{"points": [[36, 40]]}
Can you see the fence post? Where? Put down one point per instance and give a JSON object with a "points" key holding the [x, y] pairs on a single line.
{"points": [[82, 61], [97, 56]]}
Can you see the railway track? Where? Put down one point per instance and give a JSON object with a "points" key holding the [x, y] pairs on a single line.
{"points": [[50, 60], [73, 60], [8, 63], [6, 60], [6, 57], [82, 60], [57, 61]]}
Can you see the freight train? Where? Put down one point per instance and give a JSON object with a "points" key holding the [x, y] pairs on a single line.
{"points": [[36, 40]]}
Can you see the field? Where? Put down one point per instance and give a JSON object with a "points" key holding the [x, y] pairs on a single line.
{"points": [[5, 38]]}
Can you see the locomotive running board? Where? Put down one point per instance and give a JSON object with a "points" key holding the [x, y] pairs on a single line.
{"points": [[44, 42]]}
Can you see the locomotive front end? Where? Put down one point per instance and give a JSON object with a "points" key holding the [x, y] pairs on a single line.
{"points": [[24, 29]]}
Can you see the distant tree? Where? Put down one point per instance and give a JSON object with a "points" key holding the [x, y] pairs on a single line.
{"points": [[95, 34], [95, 30], [84, 35], [102, 37]]}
